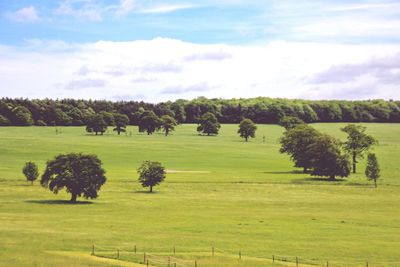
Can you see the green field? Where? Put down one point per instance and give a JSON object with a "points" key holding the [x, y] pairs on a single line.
{"points": [[220, 191]]}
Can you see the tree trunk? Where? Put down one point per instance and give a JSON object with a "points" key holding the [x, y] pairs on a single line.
{"points": [[166, 132], [73, 198], [32, 182], [375, 183], [96, 133], [304, 169], [332, 178], [246, 138], [151, 188], [119, 131], [354, 162]]}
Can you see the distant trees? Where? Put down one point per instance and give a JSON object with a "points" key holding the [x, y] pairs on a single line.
{"points": [[358, 142], [208, 124], [296, 141], [168, 124], [151, 173], [247, 128], [96, 124], [259, 110], [108, 118], [372, 170], [121, 121], [4, 121], [149, 122], [31, 171], [290, 122], [81, 175], [327, 159]]}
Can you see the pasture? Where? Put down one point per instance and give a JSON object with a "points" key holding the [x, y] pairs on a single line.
{"points": [[220, 191]]}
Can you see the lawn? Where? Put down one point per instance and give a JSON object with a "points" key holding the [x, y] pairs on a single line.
{"points": [[220, 192]]}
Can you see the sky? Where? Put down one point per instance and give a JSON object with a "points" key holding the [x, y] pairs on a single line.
{"points": [[154, 50]]}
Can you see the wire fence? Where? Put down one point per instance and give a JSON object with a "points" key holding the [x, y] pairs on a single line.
{"points": [[170, 258]]}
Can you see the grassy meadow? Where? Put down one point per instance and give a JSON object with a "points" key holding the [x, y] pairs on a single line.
{"points": [[220, 191]]}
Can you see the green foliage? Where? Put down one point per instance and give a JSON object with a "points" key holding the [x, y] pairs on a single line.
{"points": [[168, 124], [151, 173], [40, 123], [22, 116], [149, 122], [358, 142], [80, 174], [289, 122], [108, 118], [247, 128], [121, 121], [296, 141], [96, 124], [4, 121], [61, 118], [372, 171], [326, 158], [31, 171], [208, 124]]}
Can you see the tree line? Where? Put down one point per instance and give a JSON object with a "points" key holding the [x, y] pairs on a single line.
{"points": [[72, 112]]}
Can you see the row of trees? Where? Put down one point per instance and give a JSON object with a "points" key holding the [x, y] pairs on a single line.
{"points": [[67, 112], [82, 175], [324, 155]]}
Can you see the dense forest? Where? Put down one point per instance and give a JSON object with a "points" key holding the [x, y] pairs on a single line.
{"points": [[25, 112]]}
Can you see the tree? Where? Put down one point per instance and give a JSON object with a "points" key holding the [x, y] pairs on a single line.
{"points": [[208, 124], [22, 116], [289, 122], [4, 121], [151, 173], [247, 128], [96, 124], [295, 142], [81, 175], [168, 124], [358, 142], [326, 158], [121, 121], [108, 117], [149, 122], [372, 170], [30, 171]]}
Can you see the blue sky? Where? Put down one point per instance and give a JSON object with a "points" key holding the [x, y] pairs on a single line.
{"points": [[300, 45]]}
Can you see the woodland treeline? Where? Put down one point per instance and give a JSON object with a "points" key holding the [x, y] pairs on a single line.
{"points": [[24, 112]]}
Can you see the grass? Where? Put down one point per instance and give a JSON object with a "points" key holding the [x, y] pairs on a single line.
{"points": [[223, 192]]}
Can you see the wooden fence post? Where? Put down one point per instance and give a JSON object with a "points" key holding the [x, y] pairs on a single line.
{"points": [[195, 263], [213, 251], [367, 263], [118, 254], [93, 249], [144, 257], [169, 261], [147, 263], [297, 262], [273, 259], [135, 249], [327, 263], [174, 251], [240, 255]]}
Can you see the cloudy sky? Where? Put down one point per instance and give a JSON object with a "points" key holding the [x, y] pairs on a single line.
{"points": [[156, 50]]}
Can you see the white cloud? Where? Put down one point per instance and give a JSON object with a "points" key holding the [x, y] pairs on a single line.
{"points": [[166, 9], [26, 14], [158, 70]]}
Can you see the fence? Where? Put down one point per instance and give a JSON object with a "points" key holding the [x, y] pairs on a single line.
{"points": [[170, 258]]}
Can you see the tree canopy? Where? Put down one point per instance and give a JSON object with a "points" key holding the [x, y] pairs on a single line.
{"points": [[151, 173], [79, 174], [96, 124], [31, 171], [247, 128], [358, 142], [208, 124], [149, 122], [121, 121], [168, 124]]}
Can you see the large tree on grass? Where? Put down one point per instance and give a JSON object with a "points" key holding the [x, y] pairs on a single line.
{"points": [[295, 142], [168, 124], [149, 122], [372, 171], [327, 159], [151, 173], [79, 174], [121, 121], [208, 124], [247, 128], [96, 124], [358, 142], [31, 171]]}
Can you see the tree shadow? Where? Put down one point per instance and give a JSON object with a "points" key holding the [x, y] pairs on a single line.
{"points": [[59, 202], [317, 179], [145, 192]]}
